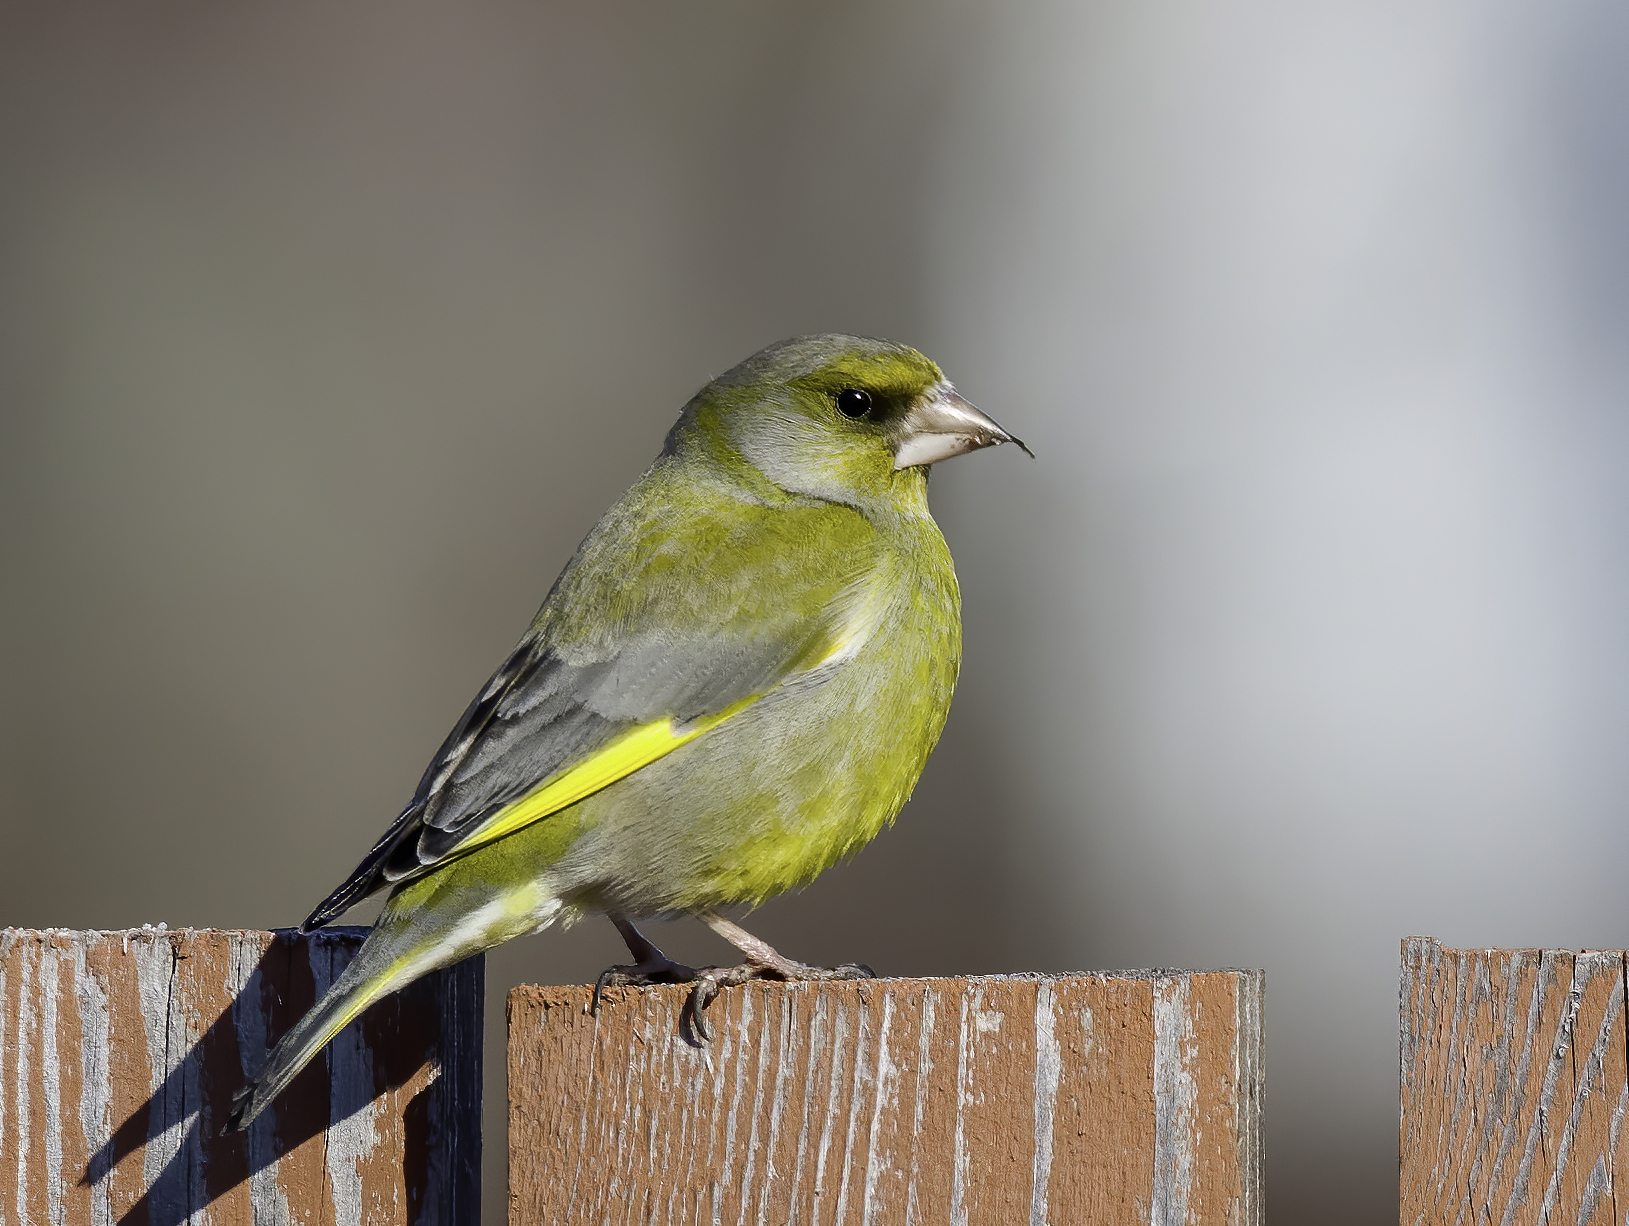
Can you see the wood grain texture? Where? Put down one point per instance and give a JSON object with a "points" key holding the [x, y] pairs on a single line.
{"points": [[978, 1102], [120, 1052], [1515, 1082]]}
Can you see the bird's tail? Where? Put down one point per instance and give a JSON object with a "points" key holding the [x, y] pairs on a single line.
{"points": [[410, 939]]}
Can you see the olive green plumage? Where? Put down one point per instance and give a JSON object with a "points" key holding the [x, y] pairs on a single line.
{"points": [[734, 683]]}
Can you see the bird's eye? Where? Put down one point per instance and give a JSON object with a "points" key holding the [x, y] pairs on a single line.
{"points": [[852, 402]]}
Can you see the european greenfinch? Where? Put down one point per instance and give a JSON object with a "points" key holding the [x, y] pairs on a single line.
{"points": [[734, 683]]}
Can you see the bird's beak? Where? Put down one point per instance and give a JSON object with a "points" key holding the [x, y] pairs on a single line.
{"points": [[944, 425]]}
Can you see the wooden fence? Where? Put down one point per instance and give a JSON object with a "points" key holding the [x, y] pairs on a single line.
{"points": [[1090, 1098], [1515, 1086], [1074, 1099], [120, 1052], [1102, 1099]]}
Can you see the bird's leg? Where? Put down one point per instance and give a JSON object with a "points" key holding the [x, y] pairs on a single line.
{"points": [[762, 960], [650, 965], [765, 958]]}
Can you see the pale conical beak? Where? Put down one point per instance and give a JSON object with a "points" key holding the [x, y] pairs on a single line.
{"points": [[945, 426]]}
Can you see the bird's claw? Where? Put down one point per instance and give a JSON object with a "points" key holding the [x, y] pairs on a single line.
{"points": [[652, 966], [710, 981], [639, 975]]}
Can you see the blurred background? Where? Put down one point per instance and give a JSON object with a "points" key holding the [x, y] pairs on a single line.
{"points": [[327, 330]]}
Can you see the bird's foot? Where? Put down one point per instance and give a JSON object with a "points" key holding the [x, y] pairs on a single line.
{"points": [[711, 980], [650, 966], [661, 969]]}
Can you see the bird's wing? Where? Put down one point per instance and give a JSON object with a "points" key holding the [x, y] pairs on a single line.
{"points": [[644, 645]]}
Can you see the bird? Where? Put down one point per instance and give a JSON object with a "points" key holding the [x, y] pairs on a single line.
{"points": [[734, 683]]}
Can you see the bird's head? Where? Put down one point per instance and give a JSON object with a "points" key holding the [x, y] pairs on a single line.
{"points": [[845, 418]]}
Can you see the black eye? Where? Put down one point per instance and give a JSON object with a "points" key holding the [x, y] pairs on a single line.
{"points": [[852, 402]]}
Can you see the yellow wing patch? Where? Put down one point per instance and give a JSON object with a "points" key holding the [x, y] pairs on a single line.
{"points": [[640, 746], [636, 748]]}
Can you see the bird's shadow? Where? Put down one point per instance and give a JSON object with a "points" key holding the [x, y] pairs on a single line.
{"points": [[172, 1146]]}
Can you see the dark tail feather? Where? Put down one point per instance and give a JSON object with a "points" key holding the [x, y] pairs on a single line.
{"points": [[365, 980], [368, 876]]}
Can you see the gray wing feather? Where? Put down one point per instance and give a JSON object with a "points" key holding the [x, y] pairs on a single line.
{"points": [[542, 712], [551, 705], [560, 712]]}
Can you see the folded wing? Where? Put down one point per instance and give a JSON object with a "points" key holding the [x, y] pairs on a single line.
{"points": [[646, 643]]}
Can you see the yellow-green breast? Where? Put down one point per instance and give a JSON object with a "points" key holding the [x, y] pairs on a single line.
{"points": [[797, 781]]}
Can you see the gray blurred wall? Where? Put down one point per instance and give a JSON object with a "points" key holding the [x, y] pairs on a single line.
{"points": [[327, 330]]}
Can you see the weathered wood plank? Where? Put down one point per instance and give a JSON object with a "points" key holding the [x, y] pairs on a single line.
{"points": [[986, 1101], [1514, 1085], [120, 1052]]}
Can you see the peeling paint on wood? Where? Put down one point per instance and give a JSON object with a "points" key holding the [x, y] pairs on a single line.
{"points": [[1515, 1083], [120, 1052], [990, 1101]]}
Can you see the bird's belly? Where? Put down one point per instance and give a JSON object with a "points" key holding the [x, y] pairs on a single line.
{"points": [[773, 796]]}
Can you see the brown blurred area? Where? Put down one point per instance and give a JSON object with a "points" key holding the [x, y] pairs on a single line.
{"points": [[329, 333], [327, 330]]}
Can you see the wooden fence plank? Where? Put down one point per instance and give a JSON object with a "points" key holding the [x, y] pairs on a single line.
{"points": [[1515, 1085], [986, 1101], [120, 1052]]}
